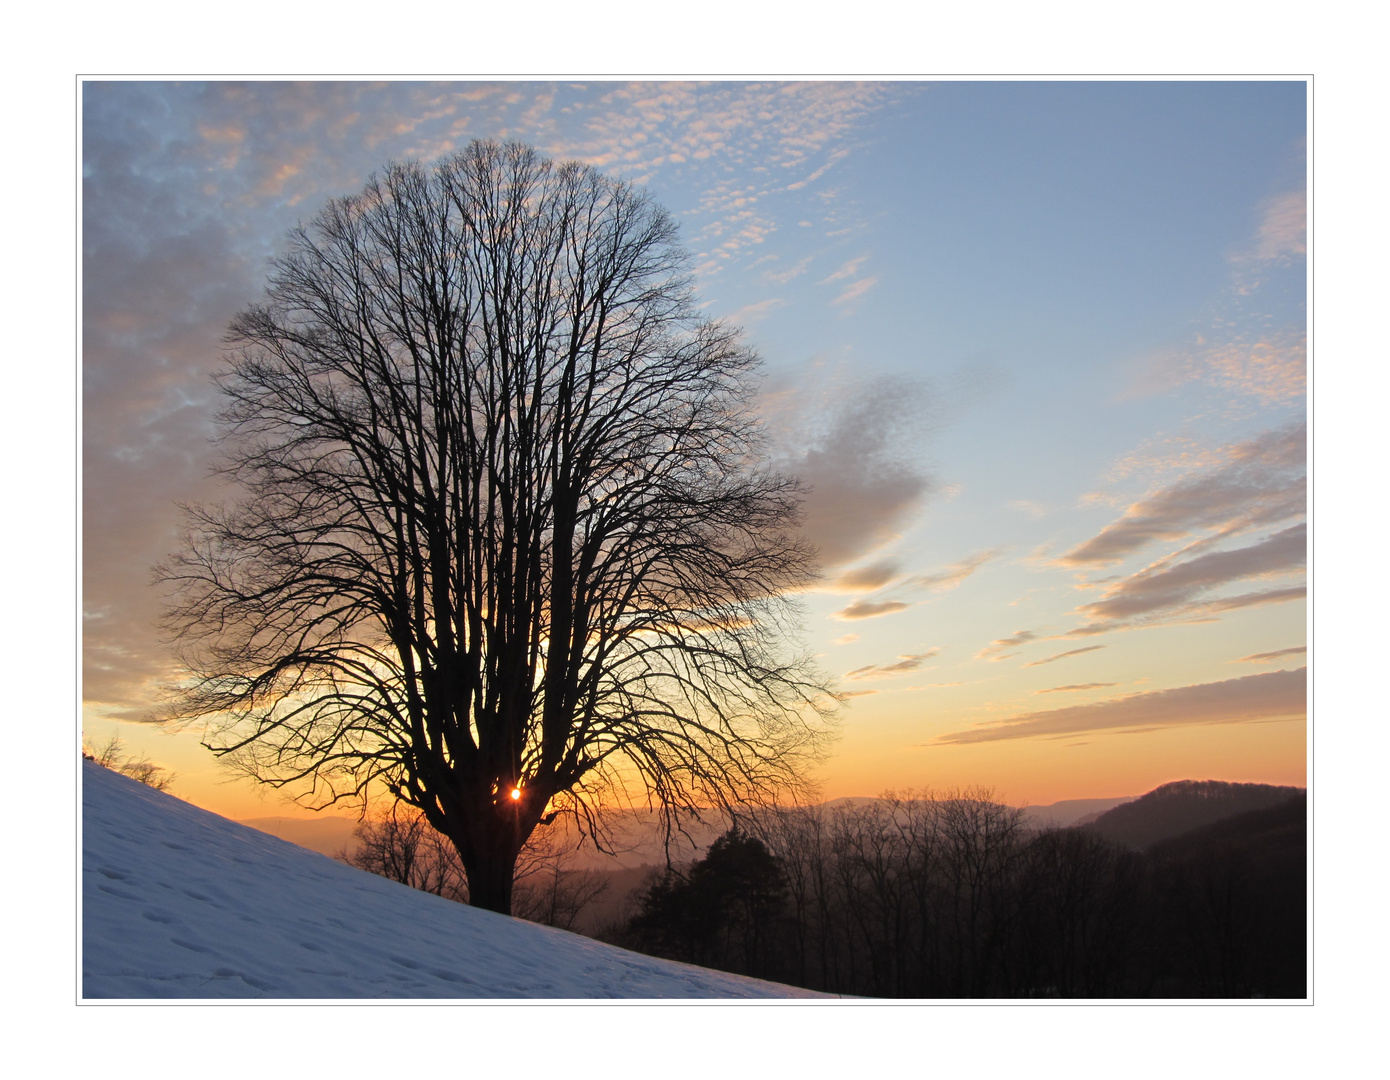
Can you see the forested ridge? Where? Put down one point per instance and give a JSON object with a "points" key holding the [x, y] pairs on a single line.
{"points": [[923, 896]]}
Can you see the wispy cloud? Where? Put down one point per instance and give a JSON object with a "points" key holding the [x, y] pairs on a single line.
{"points": [[953, 575], [1270, 657], [1206, 611], [1075, 687], [846, 270], [1275, 695], [1261, 481], [1241, 350], [1284, 228], [854, 292], [1002, 648], [904, 665], [1062, 655], [862, 609], [1171, 585], [793, 133], [788, 273], [751, 313], [1272, 368]]}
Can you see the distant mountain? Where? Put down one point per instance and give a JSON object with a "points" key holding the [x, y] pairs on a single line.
{"points": [[1265, 833], [326, 835], [1068, 812], [1183, 806]]}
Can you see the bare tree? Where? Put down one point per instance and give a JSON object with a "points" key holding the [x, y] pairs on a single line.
{"points": [[400, 845], [507, 544], [112, 755]]}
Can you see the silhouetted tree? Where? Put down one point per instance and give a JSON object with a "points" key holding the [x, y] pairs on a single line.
{"points": [[402, 846], [506, 541], [725, 912]]}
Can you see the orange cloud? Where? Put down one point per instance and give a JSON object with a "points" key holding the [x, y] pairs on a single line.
{"points": [[944, 580], [1060, 655], [1001, 648], [905, 665], [1074, 687], [866, 578], [862, 609], [1275, 695], [1170, 585], [1269, 657]]}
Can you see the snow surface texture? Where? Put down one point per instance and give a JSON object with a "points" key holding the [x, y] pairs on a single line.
{"points": [[180, 903]]}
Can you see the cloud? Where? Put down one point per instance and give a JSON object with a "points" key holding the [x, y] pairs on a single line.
{"points": [[905, 665], [852, 447], [847, 270], [1276, 695], [1193, 613], [753, 312], [855, 291], [855, 693], [952, 576], [779, 137], [1273, 368], [188, 186], [1284, 229], [862, 609], [1254, 599], [1170, 585], [1261, 482], [1061, 655], [1269, 657], [781, 277], [1000, 649], [1241, 349], [865, 578], [1076, 686], [846, 639]]}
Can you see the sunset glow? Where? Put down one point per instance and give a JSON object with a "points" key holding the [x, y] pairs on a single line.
{"points": [[1037, 350]]}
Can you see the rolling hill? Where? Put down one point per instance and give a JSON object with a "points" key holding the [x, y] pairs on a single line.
{"points": [[180, 903]]}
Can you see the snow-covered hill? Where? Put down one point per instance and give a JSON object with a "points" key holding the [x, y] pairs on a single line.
{"points": [[181, 903]]}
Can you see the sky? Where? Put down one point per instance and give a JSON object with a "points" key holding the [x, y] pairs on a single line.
{"points": [[1037, 349]]}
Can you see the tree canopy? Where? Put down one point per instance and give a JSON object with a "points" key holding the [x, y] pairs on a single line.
{"points": [[506, 540]]}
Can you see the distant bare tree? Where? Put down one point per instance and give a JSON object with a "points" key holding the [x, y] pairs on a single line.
{"points": [[112, 755], [548, 888], [507, 543], [400, 845]]}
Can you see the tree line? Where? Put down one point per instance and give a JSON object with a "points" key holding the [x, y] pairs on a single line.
{"points": [[923, 895]]}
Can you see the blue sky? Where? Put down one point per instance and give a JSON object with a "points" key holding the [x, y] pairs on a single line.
{"points": [[1037, 347]]}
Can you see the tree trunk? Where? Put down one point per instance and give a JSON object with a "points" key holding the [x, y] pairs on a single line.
{"points": [[494, 841], [490, 883]]}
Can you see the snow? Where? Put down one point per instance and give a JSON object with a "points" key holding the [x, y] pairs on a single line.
{"points": [[181, 903]]}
